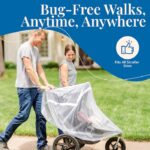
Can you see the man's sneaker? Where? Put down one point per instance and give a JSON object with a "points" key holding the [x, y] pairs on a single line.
{"points": [[46, 147], [3, 146]]}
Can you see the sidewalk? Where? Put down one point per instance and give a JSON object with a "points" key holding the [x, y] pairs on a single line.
{"points": [[29, 143]]}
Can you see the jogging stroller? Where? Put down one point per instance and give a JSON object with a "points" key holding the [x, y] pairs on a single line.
{"points": [[73, 110]]}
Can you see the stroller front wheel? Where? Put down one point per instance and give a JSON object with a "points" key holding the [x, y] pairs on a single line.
{"points": [[115, 144], [66, 142]]}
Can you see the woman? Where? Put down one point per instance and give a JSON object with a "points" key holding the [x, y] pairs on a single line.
{"points": [[67, 70]]}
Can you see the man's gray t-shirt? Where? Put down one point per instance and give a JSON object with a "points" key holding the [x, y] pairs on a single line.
{"points": [[26, 50]]}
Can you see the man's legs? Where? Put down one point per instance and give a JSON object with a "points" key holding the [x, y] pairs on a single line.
{"points": [[40, 120], [25, 103]]}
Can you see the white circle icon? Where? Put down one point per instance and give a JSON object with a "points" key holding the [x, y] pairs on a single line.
{"points": [[127, 47]]}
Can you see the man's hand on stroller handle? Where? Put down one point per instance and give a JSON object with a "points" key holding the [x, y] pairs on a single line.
{"points": [[50, 86], [42, 87], [46, 87]]}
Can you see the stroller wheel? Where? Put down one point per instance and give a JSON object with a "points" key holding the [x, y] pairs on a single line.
{"points": [[65, 142], [115, 144], [81, 145]]}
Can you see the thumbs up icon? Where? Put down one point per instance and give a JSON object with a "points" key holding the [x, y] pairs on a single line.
{"points": [[127, 49]]}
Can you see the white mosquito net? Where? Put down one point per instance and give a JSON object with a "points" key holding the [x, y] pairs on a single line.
{"points": [[73, 110]]}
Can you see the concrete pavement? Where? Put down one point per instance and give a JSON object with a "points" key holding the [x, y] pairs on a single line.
{"points": [[29, 143]]}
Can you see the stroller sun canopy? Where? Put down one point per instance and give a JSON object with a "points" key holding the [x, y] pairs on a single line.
{"points": [[73, 110]]}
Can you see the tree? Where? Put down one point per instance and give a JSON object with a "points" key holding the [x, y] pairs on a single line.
{"points": [[2, 68]]}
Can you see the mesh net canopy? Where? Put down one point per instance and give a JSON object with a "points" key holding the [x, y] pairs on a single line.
{"points": [[73, 110]]}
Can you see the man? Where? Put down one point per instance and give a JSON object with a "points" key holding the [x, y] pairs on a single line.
{"points": [[29, 89]]}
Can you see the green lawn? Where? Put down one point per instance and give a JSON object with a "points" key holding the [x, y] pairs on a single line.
{"points": [[127, 104]]}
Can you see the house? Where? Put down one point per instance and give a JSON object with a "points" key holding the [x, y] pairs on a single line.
{"points": [[52, 48]]}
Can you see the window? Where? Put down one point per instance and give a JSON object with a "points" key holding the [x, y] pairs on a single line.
{"points": [[44, 47], [24, 37]]}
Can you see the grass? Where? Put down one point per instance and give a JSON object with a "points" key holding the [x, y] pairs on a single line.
{"points": [[126, 103]]}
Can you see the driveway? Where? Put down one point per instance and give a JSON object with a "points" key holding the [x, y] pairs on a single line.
{"points": [[29, 143]]}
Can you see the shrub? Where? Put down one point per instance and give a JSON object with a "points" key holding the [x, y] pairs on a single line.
{"points": [[51, 65], [10, 65]]}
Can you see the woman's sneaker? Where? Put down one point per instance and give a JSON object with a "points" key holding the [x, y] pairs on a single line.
{"points": [[3, 146]]}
